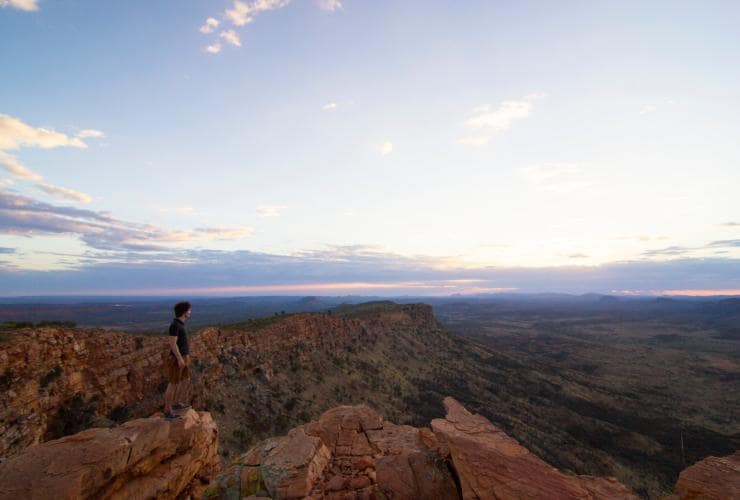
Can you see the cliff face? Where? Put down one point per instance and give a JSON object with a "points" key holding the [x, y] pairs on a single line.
{"points": [[351, 452], [55, 381], [145, 458]]}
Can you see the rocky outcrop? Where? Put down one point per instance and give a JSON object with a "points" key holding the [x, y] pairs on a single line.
{"points": [[44, 370], [145, 458], [714, 478], [351, 452], [491, 465]]}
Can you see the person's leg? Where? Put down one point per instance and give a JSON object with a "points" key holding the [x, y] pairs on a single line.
{"points": [[183, 388], [173, 374], [169, 397]]}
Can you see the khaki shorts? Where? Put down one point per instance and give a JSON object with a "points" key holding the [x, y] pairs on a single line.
{"points": [[175, 374]]}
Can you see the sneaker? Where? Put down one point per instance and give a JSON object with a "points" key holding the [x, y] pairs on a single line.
{"points": [[180, 406], [171, 416]]}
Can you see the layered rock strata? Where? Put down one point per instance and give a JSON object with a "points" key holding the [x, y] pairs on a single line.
{"points": [[144, 458], [42, 369], [352, 453]]}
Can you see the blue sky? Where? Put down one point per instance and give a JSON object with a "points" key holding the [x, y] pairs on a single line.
{"points": [[329, 146]]}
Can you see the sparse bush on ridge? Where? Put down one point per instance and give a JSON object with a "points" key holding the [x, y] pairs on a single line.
{"points": [[50, 376], [73, 416]]}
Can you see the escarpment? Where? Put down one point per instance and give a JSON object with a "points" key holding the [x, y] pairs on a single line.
{"points": [[57, 381]]}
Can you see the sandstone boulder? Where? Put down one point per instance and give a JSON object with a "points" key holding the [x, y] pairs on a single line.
{"points": [[714, 478], [491, 465], [144, 458]]}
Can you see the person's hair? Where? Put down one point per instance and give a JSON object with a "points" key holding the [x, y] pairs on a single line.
{"points": [[181, 308]]}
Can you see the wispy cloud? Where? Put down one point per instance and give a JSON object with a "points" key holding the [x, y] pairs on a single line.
{"points": [[231, 38], [15, 134], [214, 48], [243, 13], [209, 26], [330, 5], [329, 106], [25, 216], [677, 250], [27, 5], [487, 121], [386, 148], [269, 210], [730, 224], [63, 192], [91, 133], [11, 164]]}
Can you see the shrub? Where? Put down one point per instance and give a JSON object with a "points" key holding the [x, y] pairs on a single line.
{"points": [[241, 437], [74, 415], [120, 414], [50, 376], [5, 379]]}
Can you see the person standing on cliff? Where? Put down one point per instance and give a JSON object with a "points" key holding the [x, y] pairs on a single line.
{"points": [[178, 361]]}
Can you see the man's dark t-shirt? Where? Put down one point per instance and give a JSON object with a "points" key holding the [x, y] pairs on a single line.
{"points": [[177, 329]]}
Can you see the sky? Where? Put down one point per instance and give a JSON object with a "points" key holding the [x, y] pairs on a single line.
{"points": [[329, 147]]}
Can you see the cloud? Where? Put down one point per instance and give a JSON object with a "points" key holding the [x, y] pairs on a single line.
{"points": [[15, 168], [269, 210], [24, 216], [7, 250], [27, 5], [224, 233], [240, 14], [243, 13], [62, 192], [353, 269], [677, 250], [730, 224], [213, 48], [646, 110], [90, 132], [210, 25], [330, 5], [329, 105], [578, 256], [386, 148], [231, 38], [15, 134], [486, 121], [725, 244]]}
